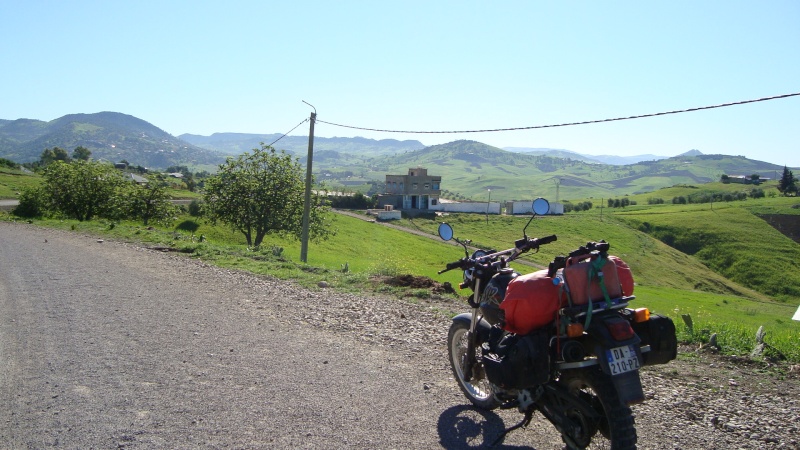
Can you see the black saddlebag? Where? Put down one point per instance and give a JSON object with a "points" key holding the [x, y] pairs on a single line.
{"points": [[518, 362], [659, 334]]}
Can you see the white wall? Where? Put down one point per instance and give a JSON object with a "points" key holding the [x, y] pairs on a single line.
{"points": [[526, 208], [467, 207]]}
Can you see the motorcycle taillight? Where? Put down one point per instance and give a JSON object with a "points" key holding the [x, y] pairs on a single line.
{"points": [[620, 329]]}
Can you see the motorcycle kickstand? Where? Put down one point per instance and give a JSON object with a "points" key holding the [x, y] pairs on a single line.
{"points": [[525, 422]]}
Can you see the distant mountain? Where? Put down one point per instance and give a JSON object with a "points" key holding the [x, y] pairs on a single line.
{"points": [[471, 169], [109, 135], [604, 159], [555, 152], [626, 160], [691, 153], [237, 143]]}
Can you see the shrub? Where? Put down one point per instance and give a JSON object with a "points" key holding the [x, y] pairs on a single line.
{"points": [[196, 208], [30, 204]]}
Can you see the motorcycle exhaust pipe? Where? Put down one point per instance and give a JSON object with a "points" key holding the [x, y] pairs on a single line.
{"points": [[572, 351]]}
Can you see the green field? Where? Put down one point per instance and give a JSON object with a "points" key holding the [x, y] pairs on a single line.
{"points": [[12, 182]]}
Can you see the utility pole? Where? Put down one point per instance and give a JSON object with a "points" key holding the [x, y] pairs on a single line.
{"points": [[489, 202], [307, 203]]}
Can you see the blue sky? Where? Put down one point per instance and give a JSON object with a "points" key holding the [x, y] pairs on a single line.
{"points": [[246, 66]]}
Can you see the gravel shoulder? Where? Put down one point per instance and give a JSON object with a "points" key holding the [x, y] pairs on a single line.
{"points": [[113, 345]]}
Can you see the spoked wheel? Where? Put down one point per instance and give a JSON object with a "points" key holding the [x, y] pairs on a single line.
{"points": [[616, 425], [478, 389]]}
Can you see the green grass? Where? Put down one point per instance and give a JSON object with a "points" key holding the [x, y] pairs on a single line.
{"points": [[12, 182], [732, 241], [734, 319], [653, 262]]}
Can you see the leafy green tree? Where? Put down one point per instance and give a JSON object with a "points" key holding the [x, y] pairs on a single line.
{"points": [[263, 192], [151, 202], [788, 183], [83, 190], [81, 153]]}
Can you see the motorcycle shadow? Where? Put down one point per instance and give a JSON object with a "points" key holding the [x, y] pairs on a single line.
{"points": [[464, 426]]}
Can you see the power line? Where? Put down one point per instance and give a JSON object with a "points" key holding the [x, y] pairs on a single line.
{"points": [[285, 134], [641, 116]]}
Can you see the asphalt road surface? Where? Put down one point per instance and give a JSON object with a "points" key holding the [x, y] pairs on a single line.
{"points": [[110, 345], [106, 345]]}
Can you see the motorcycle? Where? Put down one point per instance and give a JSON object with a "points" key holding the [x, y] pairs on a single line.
{"points": [[561, 341]]}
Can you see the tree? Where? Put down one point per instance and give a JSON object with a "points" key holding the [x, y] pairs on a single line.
{"points": [[260, 193], [83, 190], [81, 153], [788, 183], [151, 201]]}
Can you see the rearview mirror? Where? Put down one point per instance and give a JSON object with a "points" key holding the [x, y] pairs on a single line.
{"points": [[445, 232], [541, 206]]}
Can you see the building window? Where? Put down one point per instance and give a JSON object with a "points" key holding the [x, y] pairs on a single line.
{"points": [[414, 186], [427, 186], [435, 186]]}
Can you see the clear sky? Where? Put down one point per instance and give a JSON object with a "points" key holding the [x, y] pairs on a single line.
{"points": [[246, 66]]}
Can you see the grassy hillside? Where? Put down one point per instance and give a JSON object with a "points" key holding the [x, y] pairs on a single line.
{"points": [[12, 182], [469, 169], [732, 241], [654, 263]]}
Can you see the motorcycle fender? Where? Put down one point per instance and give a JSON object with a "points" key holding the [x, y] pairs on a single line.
{"points": [[600, 340], [483, 327], [600, 335], [629, 387]]}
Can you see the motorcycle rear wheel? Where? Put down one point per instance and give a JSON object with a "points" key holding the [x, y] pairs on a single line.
{"points": [[478, 389], [616, 428]]}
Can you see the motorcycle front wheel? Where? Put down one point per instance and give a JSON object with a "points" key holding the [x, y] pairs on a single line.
{"points": [[478, 389], [616, 426]]}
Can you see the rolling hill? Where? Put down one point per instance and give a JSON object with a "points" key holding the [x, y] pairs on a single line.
{"points": [[357, 147], [469, 169], [109, 135]]}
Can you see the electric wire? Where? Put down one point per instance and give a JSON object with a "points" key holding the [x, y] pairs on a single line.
{"points": [[287, 133], [640, 116]]}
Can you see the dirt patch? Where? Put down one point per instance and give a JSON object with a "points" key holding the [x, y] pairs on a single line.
{"points": [[416, 282], [787, 224]]}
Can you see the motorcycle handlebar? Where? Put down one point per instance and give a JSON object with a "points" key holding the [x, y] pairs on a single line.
{"points": [[453, 265], [520, 246]]}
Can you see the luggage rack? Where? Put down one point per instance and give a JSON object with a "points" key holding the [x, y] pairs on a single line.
{"points": [[576, 312]]}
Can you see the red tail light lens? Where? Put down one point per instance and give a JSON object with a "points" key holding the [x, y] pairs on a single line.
{"points": [[620, 329]]}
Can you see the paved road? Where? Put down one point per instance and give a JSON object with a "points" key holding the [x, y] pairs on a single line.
{"points": [[105, 345]]}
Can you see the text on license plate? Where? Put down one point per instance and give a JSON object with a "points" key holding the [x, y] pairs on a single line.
{"points": [[622, 359]]}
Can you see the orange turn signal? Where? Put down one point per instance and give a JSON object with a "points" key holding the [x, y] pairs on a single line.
{"points": [[641, 315], [575, 330]]}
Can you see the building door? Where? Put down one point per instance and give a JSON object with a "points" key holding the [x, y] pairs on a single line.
{"points": [[414, 202]]}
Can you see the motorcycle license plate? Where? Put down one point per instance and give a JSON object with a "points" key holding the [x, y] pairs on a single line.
{"points": [[622, 359]]}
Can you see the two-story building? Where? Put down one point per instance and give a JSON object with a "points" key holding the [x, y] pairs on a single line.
{"points": [[417, 190]]}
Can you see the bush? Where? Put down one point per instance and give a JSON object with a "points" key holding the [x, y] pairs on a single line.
{"points": [[196, 208], [30, 204]]}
